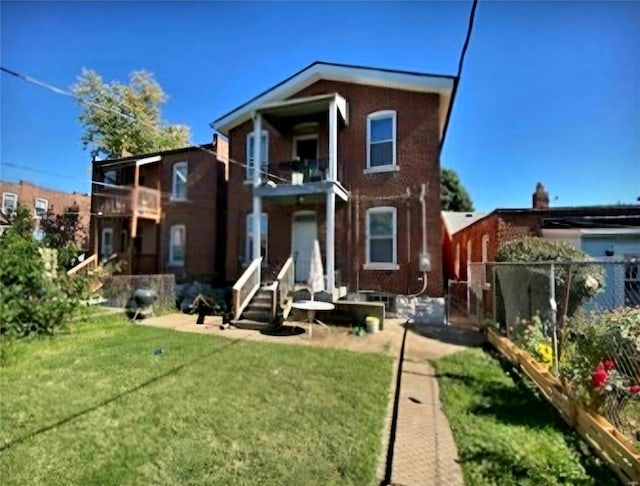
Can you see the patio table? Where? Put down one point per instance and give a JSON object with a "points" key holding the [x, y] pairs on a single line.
{"points": [[312, 306]]}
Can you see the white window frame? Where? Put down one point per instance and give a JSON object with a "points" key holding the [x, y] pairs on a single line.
{"points": [[12, 195], [103, 253], [393, 265], [174, 180], [249, 156], [46, 207], [380, 115], [172, 259], [264, 235]]}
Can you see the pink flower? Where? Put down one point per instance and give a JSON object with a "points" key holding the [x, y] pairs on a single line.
{"points": [[599, 377], [609, 365], [634, 389]]}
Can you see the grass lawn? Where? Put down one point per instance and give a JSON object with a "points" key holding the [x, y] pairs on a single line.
{"points": [[98, 406], [506, 432]]}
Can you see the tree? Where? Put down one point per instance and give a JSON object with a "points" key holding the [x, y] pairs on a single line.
{"points": [[65, 233], [453, 195], [118, 117]]}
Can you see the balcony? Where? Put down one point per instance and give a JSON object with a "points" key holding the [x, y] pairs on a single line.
{"points": [[296, 181], [128, 201]]}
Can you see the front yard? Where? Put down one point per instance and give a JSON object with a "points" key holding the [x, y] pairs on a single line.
{"points": [[115, 403]]}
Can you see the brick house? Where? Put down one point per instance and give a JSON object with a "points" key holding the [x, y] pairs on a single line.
{"points": [[610, 232], [42, 201], [163, 212], [349, 156]]}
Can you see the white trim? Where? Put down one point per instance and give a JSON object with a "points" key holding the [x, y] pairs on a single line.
{"points": [[148, 160], [172, 261], [382, 168], [46, 206], [392, 265], [415, 82], [382, 115], [103, 253], [176, 165], [264, 156], [15, 202], [485, 248]]}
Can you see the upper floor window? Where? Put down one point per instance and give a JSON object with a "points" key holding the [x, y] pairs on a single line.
{"points": [[42, 206], [382, 238], [106, 243], [178, 245], [179, 186], [381, 141], [264, 153], [110, 177], [9, 203]]}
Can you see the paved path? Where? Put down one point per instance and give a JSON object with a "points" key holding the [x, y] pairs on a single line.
{"points": [[424, 453]]}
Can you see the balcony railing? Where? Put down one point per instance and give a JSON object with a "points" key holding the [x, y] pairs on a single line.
{"points": [[124, 200], [302, 171]]}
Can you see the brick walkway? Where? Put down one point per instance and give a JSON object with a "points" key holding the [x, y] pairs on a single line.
{"points": [[424, 452]]}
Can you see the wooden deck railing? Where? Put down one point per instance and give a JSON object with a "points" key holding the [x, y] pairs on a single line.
{"points": [[125, 200], [246, 287], [85, 265], [285, 282]]}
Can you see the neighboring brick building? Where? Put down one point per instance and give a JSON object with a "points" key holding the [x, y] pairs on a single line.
{"points": [[352, 160], [164, 212], [600, 231], [42, 201]]}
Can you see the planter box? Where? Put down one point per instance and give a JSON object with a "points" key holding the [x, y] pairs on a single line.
{"points": [[607, 441]]}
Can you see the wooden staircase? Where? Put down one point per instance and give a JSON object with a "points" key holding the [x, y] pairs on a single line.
{"points": [[259, 305]]}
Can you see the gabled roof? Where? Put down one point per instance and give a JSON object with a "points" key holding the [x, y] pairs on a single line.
{"points": [[456, 221], [389, 78]]}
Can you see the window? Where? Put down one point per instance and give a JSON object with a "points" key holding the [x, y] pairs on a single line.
{"points": [[264, 153], [42, 205], [264, 237], [179, 189], [381, 141], [110, 177], [9, 203], [632, 281], [106, 244], [381, 239], [457, 264], [178, 245]]}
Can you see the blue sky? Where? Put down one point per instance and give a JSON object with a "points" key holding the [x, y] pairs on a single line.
{"points": [[550, 91]]}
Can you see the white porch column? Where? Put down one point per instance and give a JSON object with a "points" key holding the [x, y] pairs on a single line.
{"points": [[257, 202], [333, 141], [330, 241]]}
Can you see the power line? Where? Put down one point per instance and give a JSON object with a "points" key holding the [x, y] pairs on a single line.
{"points": [[63, 92]]}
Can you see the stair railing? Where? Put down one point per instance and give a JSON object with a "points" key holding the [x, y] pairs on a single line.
{"points": [[285, 283], [246, 287]]}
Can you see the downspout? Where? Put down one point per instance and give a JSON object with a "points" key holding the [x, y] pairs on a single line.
{"points": [[423, 203]]}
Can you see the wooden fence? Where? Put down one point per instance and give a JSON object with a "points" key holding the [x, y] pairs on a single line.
{"points": [[607, 441]]}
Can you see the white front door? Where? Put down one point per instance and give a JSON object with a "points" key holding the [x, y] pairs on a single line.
{"points": [[304, 233]]}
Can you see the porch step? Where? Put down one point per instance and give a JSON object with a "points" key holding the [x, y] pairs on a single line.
{"points": [[249, 324], [257, 315]]}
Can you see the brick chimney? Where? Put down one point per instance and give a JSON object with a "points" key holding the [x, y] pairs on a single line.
{"points": [[540, 197]]}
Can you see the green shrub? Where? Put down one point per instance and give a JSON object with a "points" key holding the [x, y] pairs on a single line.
{"points": [[35, 298]]}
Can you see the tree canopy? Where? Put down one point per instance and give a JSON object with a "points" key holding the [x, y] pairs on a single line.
{"points": [[125, 117], [453, 195]]}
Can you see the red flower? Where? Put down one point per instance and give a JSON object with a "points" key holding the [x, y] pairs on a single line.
{"points": [[599, 377], [634, 389], [609, 365]]}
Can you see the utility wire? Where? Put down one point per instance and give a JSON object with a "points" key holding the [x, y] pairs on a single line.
{"points": [[63, 92]]}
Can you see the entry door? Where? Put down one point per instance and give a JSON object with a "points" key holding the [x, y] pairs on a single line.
{"points": [[304, 233]]}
